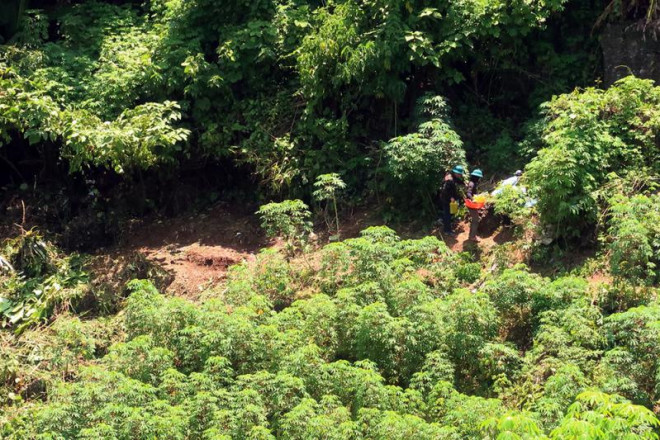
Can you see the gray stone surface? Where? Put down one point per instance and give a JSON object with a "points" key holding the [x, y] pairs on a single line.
{"points": [[627, 49]]}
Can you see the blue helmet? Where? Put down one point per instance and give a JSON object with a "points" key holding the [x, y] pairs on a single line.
{"points": [[477, 173], [458, 169]]}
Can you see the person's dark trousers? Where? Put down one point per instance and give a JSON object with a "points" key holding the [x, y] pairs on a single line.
{"points": [[446, 216], [474, 223]]}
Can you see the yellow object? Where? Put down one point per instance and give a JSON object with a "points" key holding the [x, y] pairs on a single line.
{"points": [[480, 199], [453, 207]]}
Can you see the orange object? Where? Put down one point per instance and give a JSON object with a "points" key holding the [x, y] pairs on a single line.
{"points": [[474, 205]]}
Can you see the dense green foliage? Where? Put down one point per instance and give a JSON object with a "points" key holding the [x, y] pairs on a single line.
{"points": [[387, 343], [635, 238], [592, 138], [331, 103], [295, 89], [416, 162], [289, 219], [33, 281]]}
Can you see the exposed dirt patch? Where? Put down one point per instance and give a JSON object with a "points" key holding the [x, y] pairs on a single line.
{"points": [[212, 261], [192, 252], [111, 271], [488, 236], [222, 225], [197, 248], [195, 267]]}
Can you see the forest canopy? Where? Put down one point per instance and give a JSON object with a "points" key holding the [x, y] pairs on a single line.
{"points": [[293, 89]]}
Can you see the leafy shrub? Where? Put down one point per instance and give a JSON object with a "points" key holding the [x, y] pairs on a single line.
{"points": [[463, 323], [437, 368], [76, 341], [140, 359], [380, 256], [513, 293], [588, 135], [518, 425], [597, 414], [511, 202], [633, 354], [465, 413], [315, 82], [416, 162], [593, 415], [634, 237], [376, 349], [571, 334], [311, 419], [560, 293], [327, 188], [468, 272], [288, 219], [619, 297], [148, 129], [42, 283], [389, 424], [102, 394], [270, 274], [148, 313], [559, 391], [382, 338]]}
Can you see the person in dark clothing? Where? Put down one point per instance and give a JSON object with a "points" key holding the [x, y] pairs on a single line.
{"points": [[472, 188], [451, 192]]}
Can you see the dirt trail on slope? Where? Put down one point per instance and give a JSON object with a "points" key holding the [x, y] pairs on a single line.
{"points": [[197, 249], [489, 234]]}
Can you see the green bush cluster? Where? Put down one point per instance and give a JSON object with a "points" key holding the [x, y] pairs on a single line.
{"points": [[289, 219], [513, 203], [415, 163], [387, 343], [590, 137], [634, 238]]}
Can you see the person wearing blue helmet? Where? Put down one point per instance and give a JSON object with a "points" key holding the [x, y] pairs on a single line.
{"points": [[451, 192], [472, 189]]}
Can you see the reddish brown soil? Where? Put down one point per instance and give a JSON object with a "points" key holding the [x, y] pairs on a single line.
{"points": [[489, 235], [599, 278], [197, 249]]}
